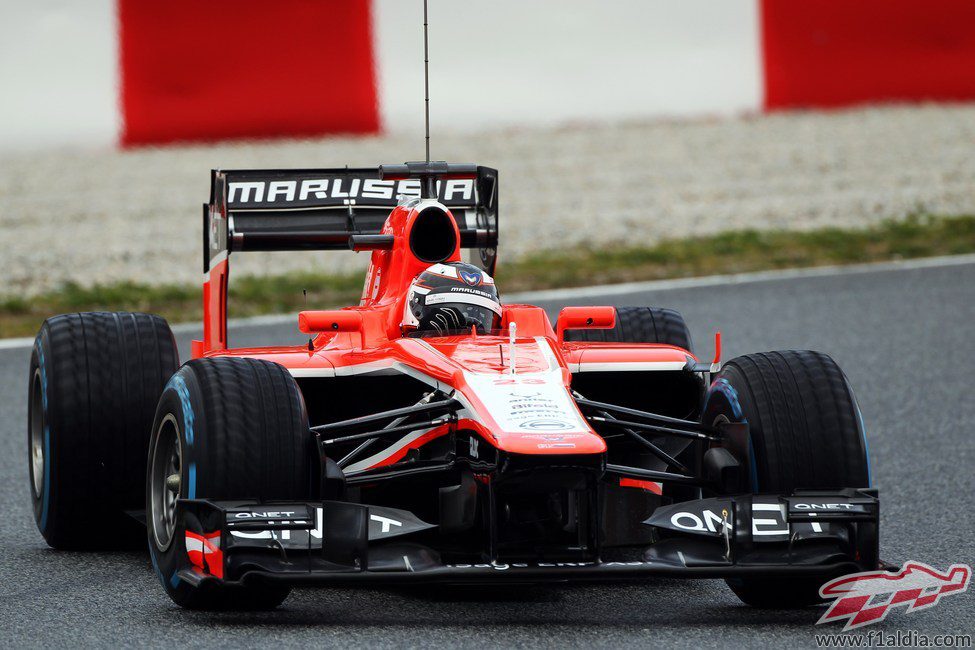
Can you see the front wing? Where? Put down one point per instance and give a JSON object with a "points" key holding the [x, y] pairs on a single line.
{"points": [[813, 533]]}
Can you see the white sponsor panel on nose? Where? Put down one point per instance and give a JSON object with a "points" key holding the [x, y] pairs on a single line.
{"points": [[528, 403]]}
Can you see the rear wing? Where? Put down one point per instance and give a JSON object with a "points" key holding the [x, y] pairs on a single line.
{"points": [[330, 209], [321, 209]]}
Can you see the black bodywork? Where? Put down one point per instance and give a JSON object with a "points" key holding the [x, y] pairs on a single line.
{"points": [[464, 511]]}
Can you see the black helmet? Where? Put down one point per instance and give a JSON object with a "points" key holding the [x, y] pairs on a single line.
{"points": [[451, 297]]}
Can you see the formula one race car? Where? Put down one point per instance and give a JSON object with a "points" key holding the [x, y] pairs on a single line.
{"points": [[430, 434]]}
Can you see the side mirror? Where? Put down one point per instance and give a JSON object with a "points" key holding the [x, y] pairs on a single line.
{"points": [[337, 320], [585, 318]]}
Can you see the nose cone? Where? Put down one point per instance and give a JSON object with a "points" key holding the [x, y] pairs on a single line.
{"points": [[528, 411]]}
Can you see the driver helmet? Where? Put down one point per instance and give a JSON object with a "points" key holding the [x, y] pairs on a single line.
{"points": [[451, 297]]}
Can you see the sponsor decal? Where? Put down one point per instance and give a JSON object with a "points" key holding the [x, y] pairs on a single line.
{"points": [[377, 278], [473, 278], [269, 514], [707, 521], [340, 190], [866, 598], [476, 292], [508, 566], [714, 517], [535, 404], [823, 506], [383, 522], [768, 520], [215, 232], [770, 516], [465, 296], [546, 425]]}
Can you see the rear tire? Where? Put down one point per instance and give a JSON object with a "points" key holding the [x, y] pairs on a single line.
{"points": [[232, 429], [94, 381], [806, 433], [640, 325]]}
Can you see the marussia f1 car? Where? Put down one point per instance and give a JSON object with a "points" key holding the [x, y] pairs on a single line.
{"points": [[429, 434]]}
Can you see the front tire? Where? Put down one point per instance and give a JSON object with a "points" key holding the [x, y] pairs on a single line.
{"points": [[225, 429], [94, 381], [806, 432]]}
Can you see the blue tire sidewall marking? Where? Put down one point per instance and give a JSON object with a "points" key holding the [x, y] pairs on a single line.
{"points": [[155, 561], [46, 497], [173, 580], [863, 429], [866, 446], [47, 476], [178, 384], [724, 387], [753, 466], [191, 479]]}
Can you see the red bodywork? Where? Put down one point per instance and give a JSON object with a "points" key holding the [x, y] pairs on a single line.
{"points": [[478, 367]]}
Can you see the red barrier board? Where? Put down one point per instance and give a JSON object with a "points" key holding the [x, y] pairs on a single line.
{"points": [[219, 69], [825, 53]]}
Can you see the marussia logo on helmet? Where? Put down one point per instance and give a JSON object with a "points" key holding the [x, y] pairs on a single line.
{"points": [[865, 598], [472, 278]]}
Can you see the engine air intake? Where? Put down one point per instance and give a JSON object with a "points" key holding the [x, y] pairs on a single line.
{"points": [[433, 236]]}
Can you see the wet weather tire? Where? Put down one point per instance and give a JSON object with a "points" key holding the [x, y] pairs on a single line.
{"points": [[94, 382], [229, 429], [806, 433], [640, 325]]}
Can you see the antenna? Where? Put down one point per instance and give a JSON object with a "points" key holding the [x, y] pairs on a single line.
{"points": [[311, 345], [426, 78]]}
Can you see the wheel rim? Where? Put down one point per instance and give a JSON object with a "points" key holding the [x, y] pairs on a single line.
{"points": [[165, 483], [36, 450]]}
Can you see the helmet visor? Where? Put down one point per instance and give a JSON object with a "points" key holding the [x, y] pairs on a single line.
{"points": [[445, 319]]}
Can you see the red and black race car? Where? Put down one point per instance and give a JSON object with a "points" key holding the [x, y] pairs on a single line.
{"points": [[430, 434]]}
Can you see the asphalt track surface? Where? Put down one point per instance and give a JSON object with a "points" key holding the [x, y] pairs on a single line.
{"points": [[904, 337]]}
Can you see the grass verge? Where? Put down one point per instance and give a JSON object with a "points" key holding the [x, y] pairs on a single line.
{"points": [[730, 252]]}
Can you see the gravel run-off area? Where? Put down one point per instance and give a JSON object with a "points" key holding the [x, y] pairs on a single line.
{"points": [[104, 216]]}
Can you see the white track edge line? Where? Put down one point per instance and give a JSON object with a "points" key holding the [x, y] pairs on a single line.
{"points": [[627, 287], [743, 278]]}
